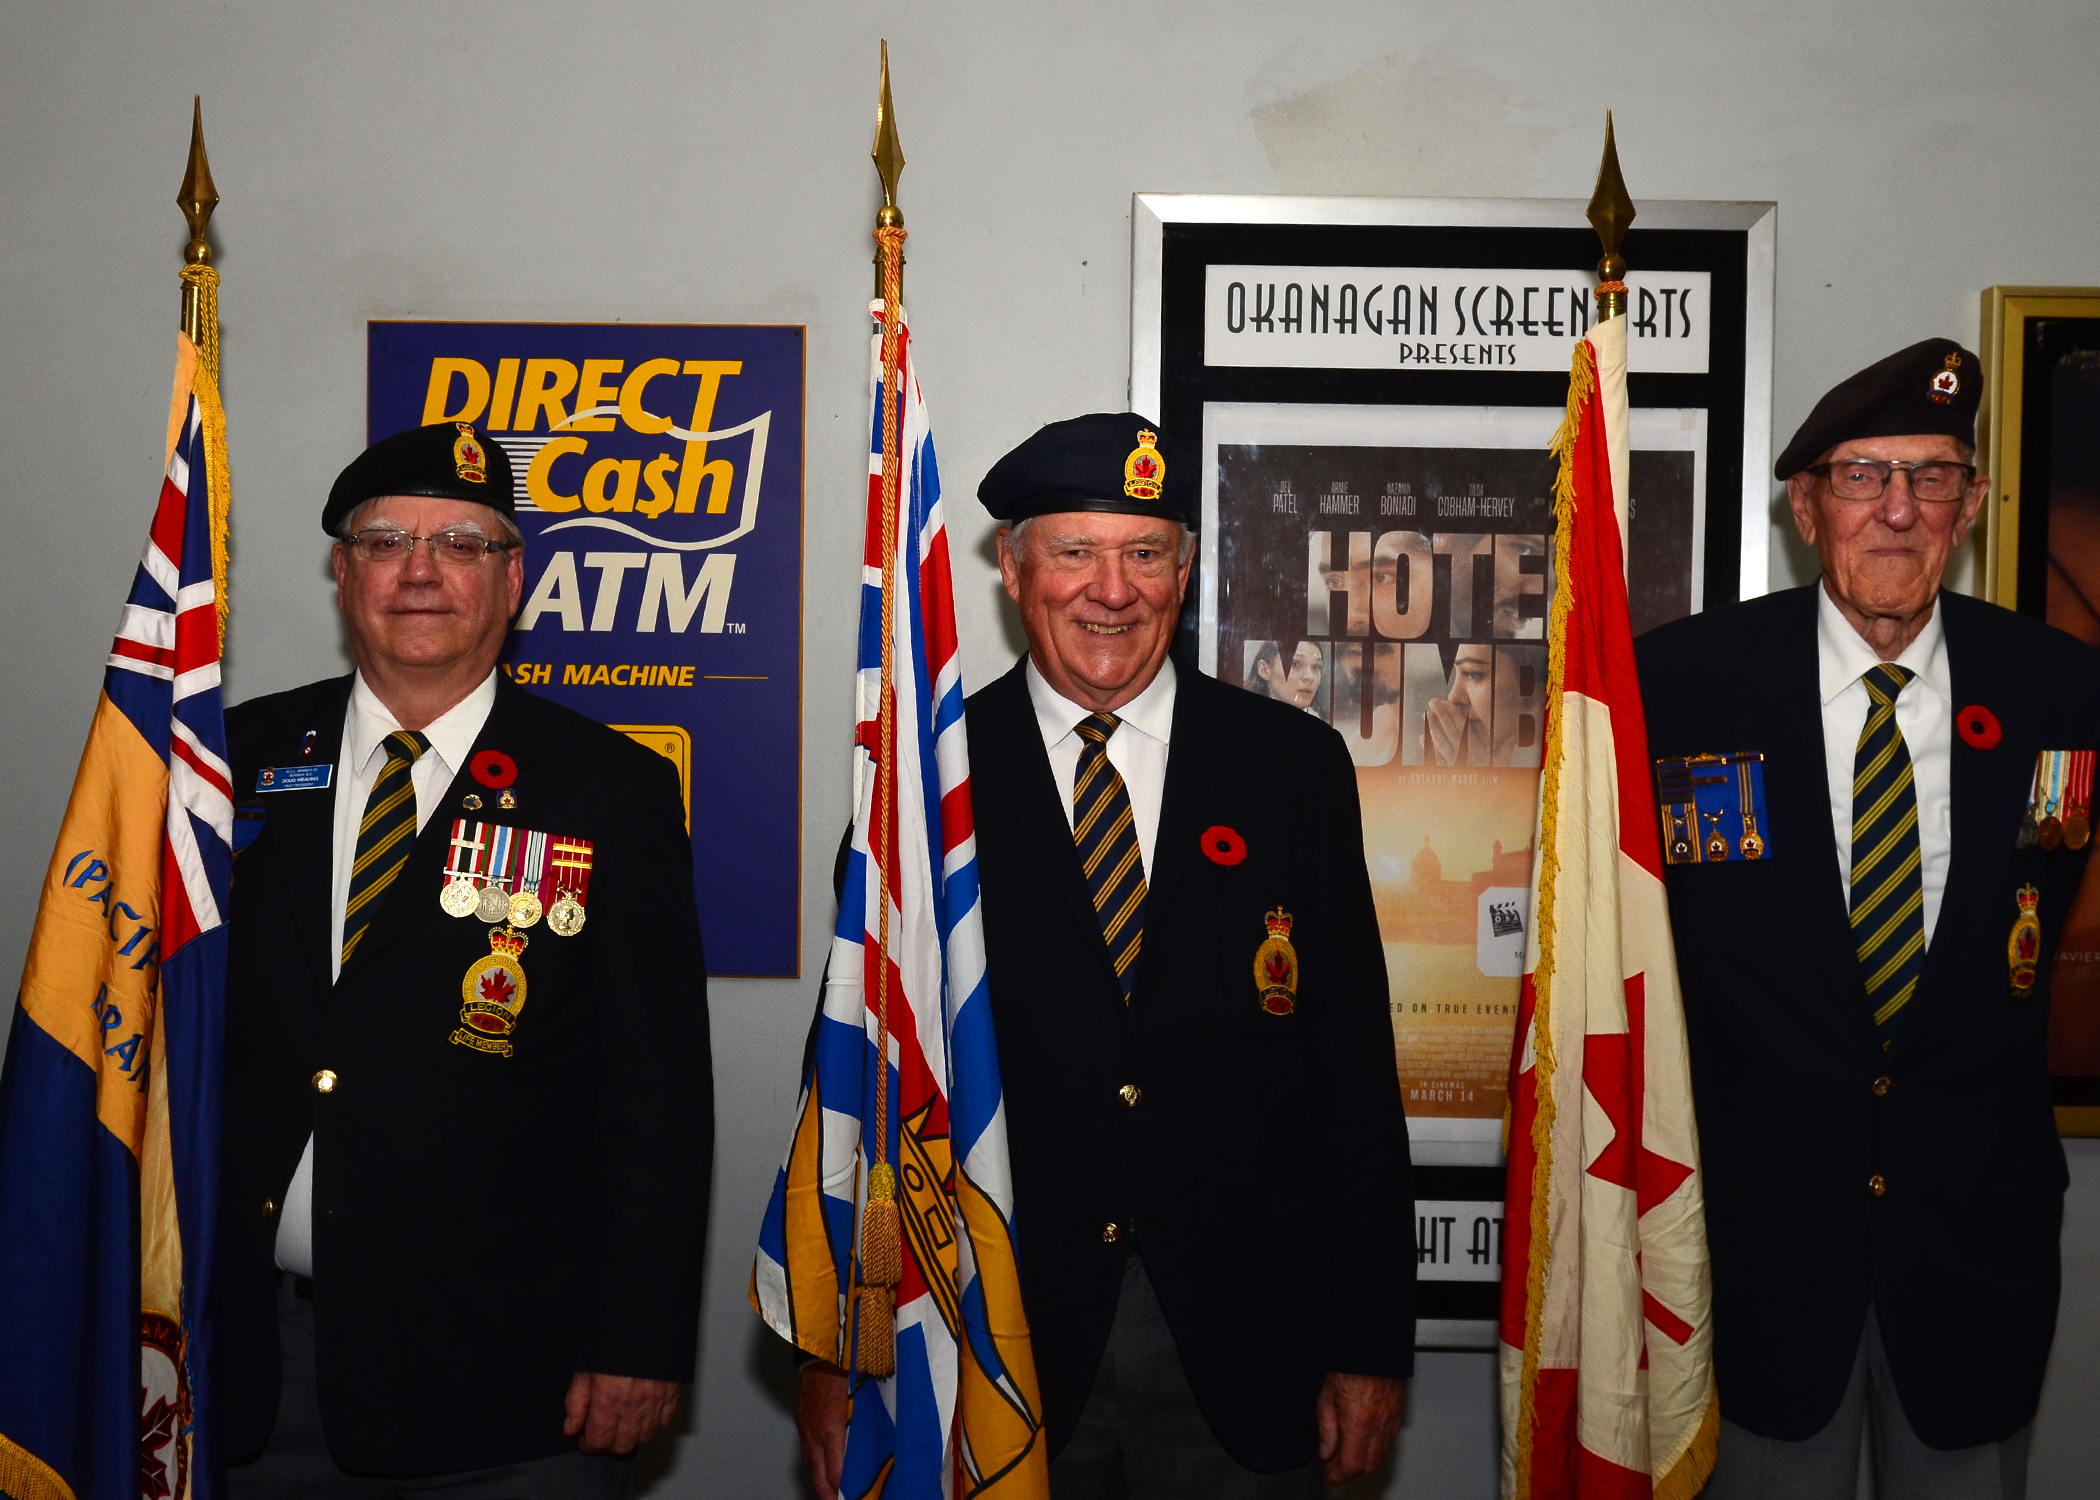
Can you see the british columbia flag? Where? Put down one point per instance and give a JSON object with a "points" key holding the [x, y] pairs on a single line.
{"points": [[960, 1416], [109, 1105]]}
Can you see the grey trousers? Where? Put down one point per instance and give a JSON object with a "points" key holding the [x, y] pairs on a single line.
{"points": [[1827, 1466], [297, 1466], [1141, 1435]]}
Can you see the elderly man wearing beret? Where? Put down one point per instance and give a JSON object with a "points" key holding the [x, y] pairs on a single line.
{"points": [[1865, 969], [468, 1105], [1211, 1184]]}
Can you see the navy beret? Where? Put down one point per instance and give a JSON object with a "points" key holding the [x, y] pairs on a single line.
{"points": [[1112, 461], [448, 460], [1933, 387]]}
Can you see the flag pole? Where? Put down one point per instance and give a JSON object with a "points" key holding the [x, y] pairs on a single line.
{"points": [[1610, 212], [881, 1247]]}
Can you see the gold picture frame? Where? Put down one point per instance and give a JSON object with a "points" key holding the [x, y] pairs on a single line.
{"points": [[2019, 555], [2007, 310]]}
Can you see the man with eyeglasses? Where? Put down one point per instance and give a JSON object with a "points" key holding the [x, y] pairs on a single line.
{"points": [[468, 1101], [1864, 949]]}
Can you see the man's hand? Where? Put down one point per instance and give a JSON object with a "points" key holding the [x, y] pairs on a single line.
{"points": [[617, 1413], [820, 1417], [1359, 1418]]}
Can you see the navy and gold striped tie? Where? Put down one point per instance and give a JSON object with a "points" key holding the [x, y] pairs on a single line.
{"points": [[1108, 848], [385, 837], [1888, 892]]}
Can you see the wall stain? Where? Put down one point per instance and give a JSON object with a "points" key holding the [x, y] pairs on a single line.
{"points": [[1397, 128]]}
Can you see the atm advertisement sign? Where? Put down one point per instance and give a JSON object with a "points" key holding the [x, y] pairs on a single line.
{"points": [[658, 472]]}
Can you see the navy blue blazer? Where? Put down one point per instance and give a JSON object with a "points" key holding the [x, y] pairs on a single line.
{"points": [[1798, 1104], [484, 1227], [1263, 1171]]}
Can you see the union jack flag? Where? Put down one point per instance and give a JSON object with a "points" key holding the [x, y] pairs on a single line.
{"points": [[109, 1105], [961, 1415]]}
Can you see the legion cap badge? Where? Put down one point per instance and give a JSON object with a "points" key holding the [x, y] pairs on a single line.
{"points": [[1946, 385], [493, 993], [1144, 471], [1276, 966], [467, 457]]}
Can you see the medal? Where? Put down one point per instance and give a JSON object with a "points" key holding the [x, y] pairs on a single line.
{"points": [[2050, 831], [492, 994], [1716, 845], [2078, 827], [494, 902], [525, 902], [2023, 948], [565, 917], [1276, 966], [459, 896], [1752, 845], [569, 872]]}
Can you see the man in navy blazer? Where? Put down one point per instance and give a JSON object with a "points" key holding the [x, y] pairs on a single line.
{"points": [[1212, 1204], [1866, 994]]}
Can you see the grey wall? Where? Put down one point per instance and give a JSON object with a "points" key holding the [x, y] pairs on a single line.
{"points": [[707, 162]]}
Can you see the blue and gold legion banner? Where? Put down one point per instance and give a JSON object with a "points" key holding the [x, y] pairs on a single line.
{"points": [[659, 488]]}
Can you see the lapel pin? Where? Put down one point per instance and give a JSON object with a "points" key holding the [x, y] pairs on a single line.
{"points": [[1222, 845], [1979, 727]]}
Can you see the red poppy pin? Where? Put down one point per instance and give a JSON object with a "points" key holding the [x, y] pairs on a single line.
{"points": [[1979, 726], [492, 768], [1222, 845]]}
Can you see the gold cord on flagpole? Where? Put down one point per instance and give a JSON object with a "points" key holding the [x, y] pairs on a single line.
{"points": [[1610, 212], [881, 1244]]}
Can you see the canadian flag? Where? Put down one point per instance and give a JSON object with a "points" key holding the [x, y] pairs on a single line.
{"points": [[1606, 1341]]}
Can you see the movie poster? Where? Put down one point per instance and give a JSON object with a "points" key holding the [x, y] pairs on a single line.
{"points": [[1388, 570]]}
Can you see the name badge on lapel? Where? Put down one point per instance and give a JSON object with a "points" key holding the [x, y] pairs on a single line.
{"points": [[294, 778], [1712, 807]]}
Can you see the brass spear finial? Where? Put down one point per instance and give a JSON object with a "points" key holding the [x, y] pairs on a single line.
{"points": [[1610, 212], [197, 197], [889, 161], [889, 156]]}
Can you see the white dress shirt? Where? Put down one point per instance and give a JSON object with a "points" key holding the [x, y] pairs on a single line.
{"points": [[1925, 715], [1138, 748], [366, 724]]}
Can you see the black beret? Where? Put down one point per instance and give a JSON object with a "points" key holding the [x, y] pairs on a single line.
{"points": [[1933, 387], [448, 460], [1112, 461]]}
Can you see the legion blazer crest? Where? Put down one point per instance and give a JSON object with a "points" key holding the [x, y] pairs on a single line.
{"points": [[484, 1225]]}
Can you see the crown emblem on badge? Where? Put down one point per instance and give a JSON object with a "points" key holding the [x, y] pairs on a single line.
{"points": [[1276, 967], [1279, 922], [467, 456], [509, 944], [1144, 471], [2029, 898]]}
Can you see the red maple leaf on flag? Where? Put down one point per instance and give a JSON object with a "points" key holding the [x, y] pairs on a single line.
{"points": [[158, 1433]]}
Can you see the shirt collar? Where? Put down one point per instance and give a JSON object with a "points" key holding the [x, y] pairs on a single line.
{"points": [[1843, 656], [1151, 712], [451, 734]]}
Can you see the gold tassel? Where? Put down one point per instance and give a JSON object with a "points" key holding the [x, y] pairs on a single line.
{"points": [[881, 1244], [878, 1332]]}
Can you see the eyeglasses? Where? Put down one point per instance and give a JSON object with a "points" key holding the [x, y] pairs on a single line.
{"points": [[460, 549], [1932, 483]]}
